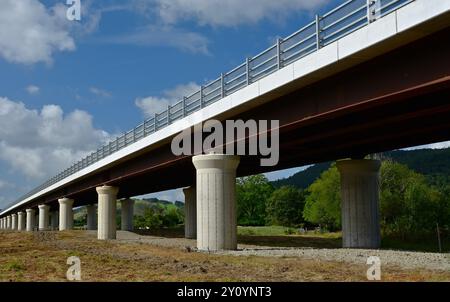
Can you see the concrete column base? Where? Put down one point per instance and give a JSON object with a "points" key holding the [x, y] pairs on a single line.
{"points": [[14, 222], [190, 213], [30, 220], [216, 201], [107, 198], [54, 220], [8, 222], [43, 217], [65, 214], [21, 221], [91, 221], [360, 193], [127, 214]]}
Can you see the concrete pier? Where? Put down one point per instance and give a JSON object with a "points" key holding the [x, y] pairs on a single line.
{"points": [[65, 214], [8, 222], [91, 219], [127, 214], [30, 220], [107, 198], [14, 222], [216, 201], [190, 213], [43, 217], [360, 193], [54, 220], [21, 221]]}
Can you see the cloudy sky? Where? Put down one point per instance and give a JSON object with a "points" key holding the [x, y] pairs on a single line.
{"points": [[67, 87]]}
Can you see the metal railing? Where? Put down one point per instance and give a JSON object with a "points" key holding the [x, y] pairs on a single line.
{"points": [[324, 30]]}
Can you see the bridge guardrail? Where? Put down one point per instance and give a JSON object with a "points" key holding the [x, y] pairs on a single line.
{"points": [[326, 29]]}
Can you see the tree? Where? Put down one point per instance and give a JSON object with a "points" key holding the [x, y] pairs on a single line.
{"points": [[252, 193], [323, 203], [285, 207]]}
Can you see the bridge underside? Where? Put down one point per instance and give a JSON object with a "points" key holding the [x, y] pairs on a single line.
{"points": [[397, 100]]}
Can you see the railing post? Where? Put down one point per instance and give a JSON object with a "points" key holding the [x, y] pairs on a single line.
{"points": [[247, 71], [168, 115], [222, 85], [184, 106], [279, 54], [155, 127], [318, 32], [201, 97], [372, 7]]}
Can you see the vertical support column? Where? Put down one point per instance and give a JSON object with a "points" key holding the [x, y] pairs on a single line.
{"points": [[8, 222], [190, 213], [14, 222], [43, 217], [65, 214], [21, 221], [360, 194], [107, 198], [127, 214], [91, 220], [30, 220], [54, 220], [216, 208]]}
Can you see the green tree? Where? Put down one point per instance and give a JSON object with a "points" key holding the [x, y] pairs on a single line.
{"points": [[323, 203], [252, 193], [285, 207]]}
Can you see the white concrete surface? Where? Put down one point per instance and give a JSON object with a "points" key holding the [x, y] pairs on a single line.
{"points": [[65, 214], [30, 219], [21, 221], [127, 213], [190, 212], [43, 217], [360, 194], [216, 201], [14, 222], [8, 222], [107, 204]]}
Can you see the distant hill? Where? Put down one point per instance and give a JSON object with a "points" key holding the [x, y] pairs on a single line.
{"points": [[434, 164]]}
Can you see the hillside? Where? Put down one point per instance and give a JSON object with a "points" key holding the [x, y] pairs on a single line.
{"points": [[434, 164]]}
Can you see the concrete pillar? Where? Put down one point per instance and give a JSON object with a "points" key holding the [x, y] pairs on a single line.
{"points": [[21, 221], [65, 214], [190, 213], [107, 197], [360, 194], [54, 220], [43, 217], [14, 222], [30, 220], [2, 223], [216, 201], [127, 214], [8, 222], [91, 217]]}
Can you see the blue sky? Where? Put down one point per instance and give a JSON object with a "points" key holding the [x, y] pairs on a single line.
{"points": [[66, 87]]}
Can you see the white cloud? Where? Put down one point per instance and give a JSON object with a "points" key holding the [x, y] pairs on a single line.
{"points": [[32, 89], [153, 104], [164, 36], [31, 33], [230, 12], [441, 145], [39, 144], [100, 92]]}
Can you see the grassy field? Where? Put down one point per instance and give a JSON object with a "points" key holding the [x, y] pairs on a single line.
{"points": [[25, 257]]}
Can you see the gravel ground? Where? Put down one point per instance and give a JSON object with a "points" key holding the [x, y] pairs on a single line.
{"points": [[406, 260]]}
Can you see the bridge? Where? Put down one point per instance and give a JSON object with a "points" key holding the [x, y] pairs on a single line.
{"points": [[366, 77]]}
